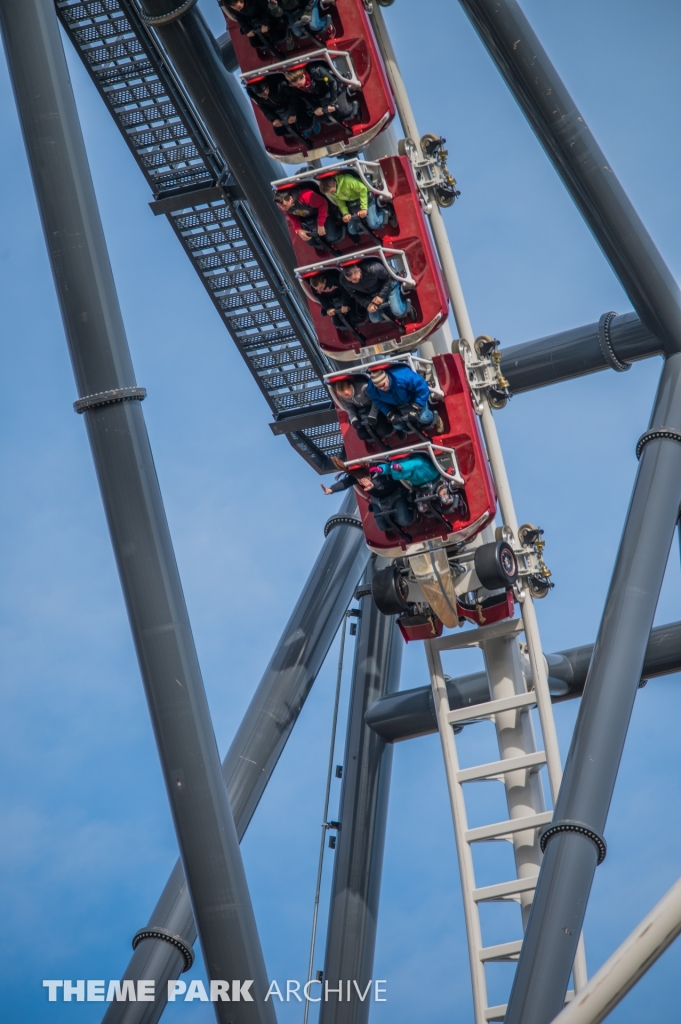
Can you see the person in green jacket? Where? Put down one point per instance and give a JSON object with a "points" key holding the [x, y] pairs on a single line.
{"points": [[356, 203]]}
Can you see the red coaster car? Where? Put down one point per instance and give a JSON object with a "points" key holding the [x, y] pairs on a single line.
{"points": [[352, 36], [459, 449], [406, 249], [356, 69], [408, 219]]}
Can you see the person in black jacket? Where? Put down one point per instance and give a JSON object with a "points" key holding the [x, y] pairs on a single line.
{"points": [[334, 300], [280, 107], [388, 499], [324, 95], [257, 22], [372, 287]]}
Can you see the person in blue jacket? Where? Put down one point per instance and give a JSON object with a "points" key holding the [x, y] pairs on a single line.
{"points": [[402, 394]]}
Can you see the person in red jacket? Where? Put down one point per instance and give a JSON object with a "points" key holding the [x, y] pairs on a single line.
{"points": [[309, 215]]}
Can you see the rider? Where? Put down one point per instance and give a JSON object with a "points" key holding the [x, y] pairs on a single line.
{"points": [[308, 215], [303, 17], [345, 190], [403, 395], [372, 286], [365, 417], [322, 93], [256, 21], [334, 300], [388, 499], [418, 472], [277, 104]]}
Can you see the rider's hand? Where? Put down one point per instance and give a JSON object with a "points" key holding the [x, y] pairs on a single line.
{"points": [[263, 29], [305, 235], [327, 490], [331, 110], [250, 34], [347, 218], [321, 231], [345, 309], [319, 112], [292, 120], [277, 123], [373, 305], [362, 213]]}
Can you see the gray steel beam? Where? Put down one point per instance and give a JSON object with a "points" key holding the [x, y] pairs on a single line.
{"points": [[574, 353], [367, 767], [255, 749], [133, 505], [219, 100], [581, 164], [573, 842], [410, 713], [227, 51]]}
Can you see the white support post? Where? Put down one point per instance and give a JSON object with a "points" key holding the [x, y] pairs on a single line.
{"points": [[628, 964]]}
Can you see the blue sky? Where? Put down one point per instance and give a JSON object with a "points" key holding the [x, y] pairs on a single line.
{"points": [[88, 840]]}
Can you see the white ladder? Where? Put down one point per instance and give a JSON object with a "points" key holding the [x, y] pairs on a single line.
{"points": [[518, 767]]}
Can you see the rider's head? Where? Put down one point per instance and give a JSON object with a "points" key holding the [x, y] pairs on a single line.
{"points": [[352, 273], [262, 89], [328, 185], [318, 283], [297, 78], [284, 200], [381, 379], [236, 5], [344, 389]]}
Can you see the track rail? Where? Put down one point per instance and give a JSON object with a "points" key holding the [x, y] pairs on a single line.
{"points": [[191, 186]]}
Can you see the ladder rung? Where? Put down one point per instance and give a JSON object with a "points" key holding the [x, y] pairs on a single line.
{"points": [[476, 637], [503, 828], [504, 890], [506, 951], [497, 1013], [491, 707], [494, 768]]}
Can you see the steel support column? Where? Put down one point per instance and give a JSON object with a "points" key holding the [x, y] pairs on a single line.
{"points": [[581, 164], [132, 501], [574, 840], [367, 766], [256, 748], [219, 99]]}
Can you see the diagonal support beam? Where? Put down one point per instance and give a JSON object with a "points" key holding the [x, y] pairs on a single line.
{"points": [[256, 748], [581, 164], [628, 963]]}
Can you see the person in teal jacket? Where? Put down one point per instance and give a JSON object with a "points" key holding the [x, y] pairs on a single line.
{"points": [[355, 202], [418, 471]]}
